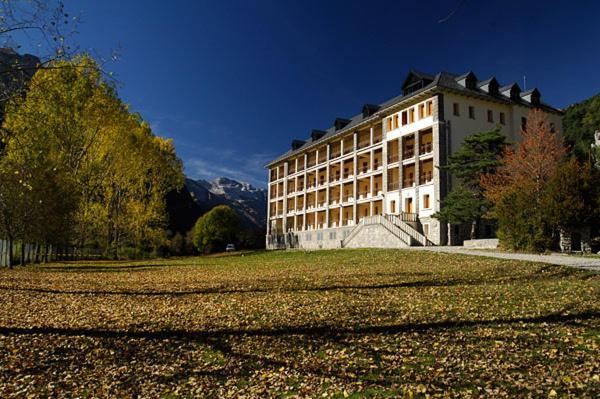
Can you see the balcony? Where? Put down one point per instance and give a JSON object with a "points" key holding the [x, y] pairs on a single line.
{"points": [[409, 183], [347, 198], [335, 177], [426, 148], [363, 144], [335, 154], [426, 177], [364, 194], [393, 186]]}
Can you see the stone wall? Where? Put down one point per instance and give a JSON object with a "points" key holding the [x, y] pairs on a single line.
{"points": [[369, 236], [375, 236]]}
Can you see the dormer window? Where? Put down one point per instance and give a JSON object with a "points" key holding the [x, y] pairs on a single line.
{"points": [[531, 96], [341, 123], [415, 81], [490, 86], [369, 109], [468, 80], [317, 134], [512, 91]]}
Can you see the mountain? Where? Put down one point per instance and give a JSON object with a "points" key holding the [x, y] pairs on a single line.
{"points": [[199, 196], [15, 72]]}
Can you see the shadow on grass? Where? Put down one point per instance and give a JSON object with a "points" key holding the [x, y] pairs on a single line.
{"points": [[333, 287], [174, 345], [303, 330]]}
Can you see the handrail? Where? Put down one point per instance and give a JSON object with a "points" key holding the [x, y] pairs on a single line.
{"points": [[408, 229]]}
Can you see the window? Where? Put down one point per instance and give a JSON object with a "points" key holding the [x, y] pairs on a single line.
{"points": [[456, 109], [404, 118], [429, 108], [426, 203], [421, 111], [389, 124], [490, 116], [395, 124], [411, 115], [502, 118], [471, 112], [523, 123], [393, 206]]}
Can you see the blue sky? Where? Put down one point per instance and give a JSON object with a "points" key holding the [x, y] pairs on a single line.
{"points": [[233, 82]]}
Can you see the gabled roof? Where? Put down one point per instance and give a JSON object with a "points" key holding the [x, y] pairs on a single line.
{"points": [[443, 81], [414, 76]]}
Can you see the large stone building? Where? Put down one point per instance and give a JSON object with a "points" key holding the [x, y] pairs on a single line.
{"points": [[373, 180]]}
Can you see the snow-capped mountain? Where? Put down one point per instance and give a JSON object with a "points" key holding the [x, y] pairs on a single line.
{"points": [[199, 196], [249, 201]]}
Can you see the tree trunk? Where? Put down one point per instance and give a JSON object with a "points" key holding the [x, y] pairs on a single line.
{"points": [[36, 253], [473, 230], [9, 260], [22, 253]]}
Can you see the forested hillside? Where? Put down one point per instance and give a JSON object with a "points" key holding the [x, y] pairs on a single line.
{"points": [[580, 122]]}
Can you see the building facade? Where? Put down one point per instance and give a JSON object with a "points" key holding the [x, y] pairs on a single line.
{"points": [[374, 180]]}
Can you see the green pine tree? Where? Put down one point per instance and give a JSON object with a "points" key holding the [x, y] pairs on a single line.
{"points": [[466, 204]]}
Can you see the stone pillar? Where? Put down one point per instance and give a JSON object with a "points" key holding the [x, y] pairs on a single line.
{"points": [[371, 199], [354, 180], [417, 169], [269, 202], [328, 149], [384, 175], [285, 199], [304, 196], [440, 177]]}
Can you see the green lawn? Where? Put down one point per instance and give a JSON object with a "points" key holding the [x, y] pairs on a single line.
{"points": [[353, 323]]}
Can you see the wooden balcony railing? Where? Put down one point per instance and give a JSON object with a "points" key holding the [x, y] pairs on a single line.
{"points": [[409, 183], [426, 148], [363, 144], [394, 185], [426, 177]]}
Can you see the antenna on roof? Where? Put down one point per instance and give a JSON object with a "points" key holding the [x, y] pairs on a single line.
{"points": [[524, 82]]}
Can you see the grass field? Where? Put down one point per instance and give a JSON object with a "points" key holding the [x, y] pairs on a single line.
{"points": [[354, 323]]}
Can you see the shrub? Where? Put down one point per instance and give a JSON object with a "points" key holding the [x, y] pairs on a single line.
{"points": [[214, 230]]}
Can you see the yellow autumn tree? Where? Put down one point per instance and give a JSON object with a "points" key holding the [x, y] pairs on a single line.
{"points": [[73, 136]]}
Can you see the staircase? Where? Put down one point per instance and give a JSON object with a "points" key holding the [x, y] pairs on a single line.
{"points": [[410, 230], [393, 224]]}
